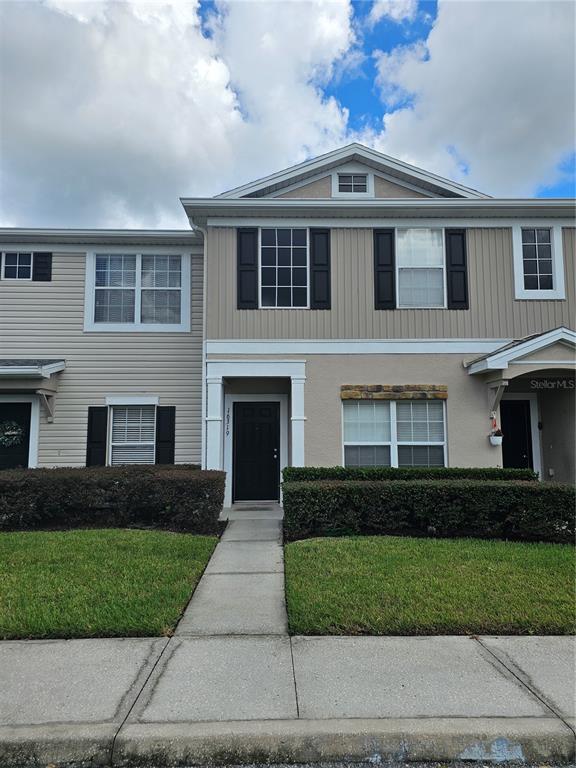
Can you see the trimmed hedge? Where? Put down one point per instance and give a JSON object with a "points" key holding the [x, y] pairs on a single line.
{"points": [[173, 497], [447, 508], [301, 474]]}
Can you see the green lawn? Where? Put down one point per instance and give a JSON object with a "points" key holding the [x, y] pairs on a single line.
{"points": [[97, 583], [384, 585]]}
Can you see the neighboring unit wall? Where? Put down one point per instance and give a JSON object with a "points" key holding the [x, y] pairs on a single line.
{"points": [[558, 416], [320, 188], [45, 320], [493, 313]]}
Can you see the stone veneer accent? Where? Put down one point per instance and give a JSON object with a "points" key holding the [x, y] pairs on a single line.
{"points": [[394, 392]]}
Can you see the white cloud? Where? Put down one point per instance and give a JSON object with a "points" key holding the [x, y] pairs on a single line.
{"points": [[111, 111], [396, 10], [494, 93]]}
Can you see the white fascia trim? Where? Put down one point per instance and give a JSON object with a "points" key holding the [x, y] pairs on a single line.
{"points": [[500, 361], [185, 293], [558, 292], [34, 371], [351, 347], [34, 401], [132, 400], [216, 370], [372, 223], [344, 153]]}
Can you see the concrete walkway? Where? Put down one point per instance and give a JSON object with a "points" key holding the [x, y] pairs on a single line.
{"points": [[231, 686]]}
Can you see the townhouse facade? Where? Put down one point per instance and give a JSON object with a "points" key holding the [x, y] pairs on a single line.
{"points": [[349, 310]]}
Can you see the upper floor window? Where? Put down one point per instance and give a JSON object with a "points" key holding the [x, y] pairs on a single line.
{"points": [[538, 262], [284, 268], [357, 182], [17, 266], [137, 291], [382, 433], [420, 265]]}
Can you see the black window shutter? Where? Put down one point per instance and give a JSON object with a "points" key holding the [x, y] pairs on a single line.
{"points": [[384, 269], [42, 266], [165, 434], [456, 269], [319, 269], [247, 268], [97, 436]]}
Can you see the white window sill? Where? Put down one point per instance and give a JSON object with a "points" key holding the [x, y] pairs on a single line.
{"points": [[131, 328], [536, 295]]}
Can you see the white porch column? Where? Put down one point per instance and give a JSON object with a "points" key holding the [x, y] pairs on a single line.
{"points": [[214, 423], [297, 420]]}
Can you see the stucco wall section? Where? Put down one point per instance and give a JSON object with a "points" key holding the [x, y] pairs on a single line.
{"points": [[385, 188], [45, 320], [320, 188], [493, 313]]}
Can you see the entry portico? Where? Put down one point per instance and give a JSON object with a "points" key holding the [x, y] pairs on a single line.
{"points": [[263, 400]]}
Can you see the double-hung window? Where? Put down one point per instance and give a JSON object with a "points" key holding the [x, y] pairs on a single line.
{"points": [[384, 433], [284, 268], [137, 291], [538, 262], [420, 265], [17, 266], [132, 434]]}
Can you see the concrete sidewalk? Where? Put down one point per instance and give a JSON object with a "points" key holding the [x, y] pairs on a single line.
{"points": [[231, 686], [186, 700]]}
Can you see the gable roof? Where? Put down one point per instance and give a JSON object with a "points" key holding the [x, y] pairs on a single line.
{"points": [[397, 169], [519, 348]]}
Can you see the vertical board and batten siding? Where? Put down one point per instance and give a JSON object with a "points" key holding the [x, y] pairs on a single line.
{"points": [[493, 313], [46, 320]]}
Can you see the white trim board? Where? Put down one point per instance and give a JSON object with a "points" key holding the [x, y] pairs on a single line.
{"points": [[34, 400], [534, 431], [351, 347], [132, 400], [382, 222], [228, 434]]}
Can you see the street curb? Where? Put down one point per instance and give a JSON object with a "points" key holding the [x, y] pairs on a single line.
{"points": [[38, 745], [526, 740]]}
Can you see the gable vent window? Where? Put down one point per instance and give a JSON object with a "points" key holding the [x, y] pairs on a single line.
{"points": [[352, 182], [17, 266], [420, 263], [537, 259], [133, 434], [284, 268]]}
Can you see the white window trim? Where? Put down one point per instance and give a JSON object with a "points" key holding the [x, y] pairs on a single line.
{"points": [[558, 291], [355, 169], [307, 306], [34, 400], [397, 269], [136, 327], [127, 402], [132, 400], [18, 279], [394, 443]]}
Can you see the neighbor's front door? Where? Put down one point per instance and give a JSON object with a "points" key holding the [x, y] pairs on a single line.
{"points": [[517, 429], [256, 470], [14, 434]]}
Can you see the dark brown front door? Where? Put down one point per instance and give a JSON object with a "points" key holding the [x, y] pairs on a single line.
{"points": [[256, 470], [517, 429], [14, 434]]}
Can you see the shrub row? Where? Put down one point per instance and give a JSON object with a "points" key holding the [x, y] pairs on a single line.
{"points": [[299, 474], [178, 497], [448, 508]]}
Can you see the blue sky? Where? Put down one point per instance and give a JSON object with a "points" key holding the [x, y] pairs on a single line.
{"points": [[170, 98]]}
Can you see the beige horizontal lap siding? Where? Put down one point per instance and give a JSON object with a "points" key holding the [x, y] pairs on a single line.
{"points": [[46, 320], [493, 313], [321, 188]]}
